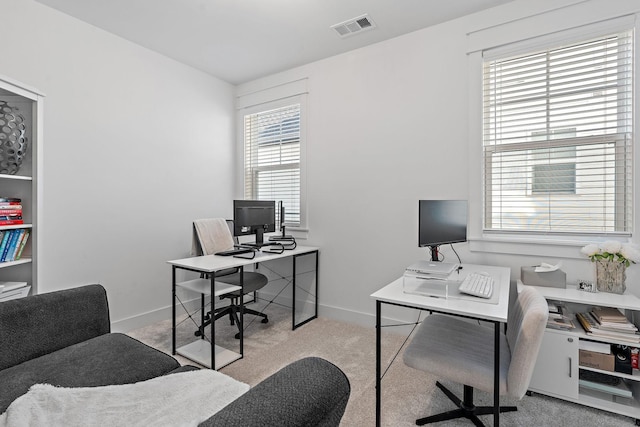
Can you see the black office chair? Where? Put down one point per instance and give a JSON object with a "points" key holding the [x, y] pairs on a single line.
{"points": [[215, 235]]}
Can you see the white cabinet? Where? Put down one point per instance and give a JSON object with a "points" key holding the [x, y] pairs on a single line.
{"points": [[557, 370], [23, 183]]}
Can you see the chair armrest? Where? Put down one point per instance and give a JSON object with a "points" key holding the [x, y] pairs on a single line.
{"points": [[40, 324], [308, 392]]}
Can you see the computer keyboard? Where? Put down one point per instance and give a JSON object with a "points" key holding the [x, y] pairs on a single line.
{"points": [[235, 252], [478, 285]]}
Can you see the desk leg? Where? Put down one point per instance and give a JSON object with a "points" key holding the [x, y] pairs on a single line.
{"points": [[241, 319], [295, 325], [213, 324], [293, 293], [378, 357], [496, 376], [173, 309]]}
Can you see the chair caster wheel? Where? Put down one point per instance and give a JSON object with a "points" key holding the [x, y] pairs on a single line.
{"points": [[265, 320], [197, 333], [237, 336]]}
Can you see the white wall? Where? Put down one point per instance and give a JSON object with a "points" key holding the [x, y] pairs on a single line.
{"points": [[136, 146], [388, 125]]}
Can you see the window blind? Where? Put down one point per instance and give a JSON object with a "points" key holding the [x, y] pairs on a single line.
{"points": [[272, 158], [558, 139]]}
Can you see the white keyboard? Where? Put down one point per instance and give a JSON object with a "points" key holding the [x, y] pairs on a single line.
{"points": [[478, 285]]}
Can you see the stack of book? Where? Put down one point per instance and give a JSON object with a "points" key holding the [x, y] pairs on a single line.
{"points": [[12, 243], [559, 317], [609, 322], [10, 211]]}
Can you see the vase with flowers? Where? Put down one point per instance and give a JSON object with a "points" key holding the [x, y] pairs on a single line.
{"points": [[612, 259]]}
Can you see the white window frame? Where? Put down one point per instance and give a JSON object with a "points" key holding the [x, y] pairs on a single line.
{"points": [[267, 100], [519, 243]]}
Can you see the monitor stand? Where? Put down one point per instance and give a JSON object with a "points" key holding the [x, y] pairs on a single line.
{"points": [[434, 253], [260, 236], [259, 239], [285, 237]]}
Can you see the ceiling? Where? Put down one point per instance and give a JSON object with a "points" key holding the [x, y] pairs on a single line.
{"points": [[241, 40]]}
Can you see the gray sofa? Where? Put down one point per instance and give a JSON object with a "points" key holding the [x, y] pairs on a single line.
{"points": [[63, 338]]}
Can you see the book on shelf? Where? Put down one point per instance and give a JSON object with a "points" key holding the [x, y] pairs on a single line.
{"points": [[11, 221], [12, 244], [10, 286], [608, 314], [555, 307], [591, 327], [562, 323], [559, 317], [22, 244], [7, 210], [612, 319], [10, 201], [10, 211], [5, 238]]}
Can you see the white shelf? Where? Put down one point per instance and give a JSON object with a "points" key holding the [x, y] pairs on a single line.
{"points": [[15, 226], [16, 177], [18, 262], [203, 286], [635, 376], [200, 352], [596, 400], [605, 299], [560, 385]]}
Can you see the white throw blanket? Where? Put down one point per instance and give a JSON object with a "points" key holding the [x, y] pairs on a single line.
{"points": [[181, 399]]}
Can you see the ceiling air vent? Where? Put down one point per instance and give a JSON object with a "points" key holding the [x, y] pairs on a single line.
{"points": [[354, 25]]}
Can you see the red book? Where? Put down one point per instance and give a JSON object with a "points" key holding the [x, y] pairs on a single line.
{"points": [[11, 221]]}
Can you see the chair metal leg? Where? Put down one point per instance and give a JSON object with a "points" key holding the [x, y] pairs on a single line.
{"points": [[232, 311], [466, 408]]}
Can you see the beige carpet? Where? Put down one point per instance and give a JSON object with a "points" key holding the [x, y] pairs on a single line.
{"points": [[407, 393]]}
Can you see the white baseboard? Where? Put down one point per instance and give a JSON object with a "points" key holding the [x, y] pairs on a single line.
{"points": [[150, 317], [330, 312]]}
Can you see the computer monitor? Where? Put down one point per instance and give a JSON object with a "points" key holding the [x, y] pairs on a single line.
{"points": [[441, 222], [254, 217]]}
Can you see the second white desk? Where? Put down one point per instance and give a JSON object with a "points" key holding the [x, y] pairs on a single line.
{"points": [[470, 307], [208, 354]]}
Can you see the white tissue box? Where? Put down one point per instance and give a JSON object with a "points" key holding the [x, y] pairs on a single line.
{"points": [[550, 279]]}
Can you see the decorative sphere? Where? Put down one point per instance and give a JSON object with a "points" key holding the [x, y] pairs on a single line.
{"points": [[13, 142]]}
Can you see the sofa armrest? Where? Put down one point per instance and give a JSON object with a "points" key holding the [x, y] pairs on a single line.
{"points": [[40, 324], [308, 392]]}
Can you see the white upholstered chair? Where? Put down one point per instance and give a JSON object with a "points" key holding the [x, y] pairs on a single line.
{"points": [[462, 351]]}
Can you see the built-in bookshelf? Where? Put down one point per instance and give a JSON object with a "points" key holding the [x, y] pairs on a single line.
{"points": [[21, 109]]}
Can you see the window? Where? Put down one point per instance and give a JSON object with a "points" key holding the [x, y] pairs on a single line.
{"points": [[558, 139], [272, 147]]}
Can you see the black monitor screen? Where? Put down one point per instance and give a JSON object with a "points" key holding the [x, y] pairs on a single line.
{"points": [[254, 217], [441, 221]]}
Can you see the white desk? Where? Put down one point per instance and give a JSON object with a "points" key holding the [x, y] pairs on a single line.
{"points": [[470, 307], [211, 355]]}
